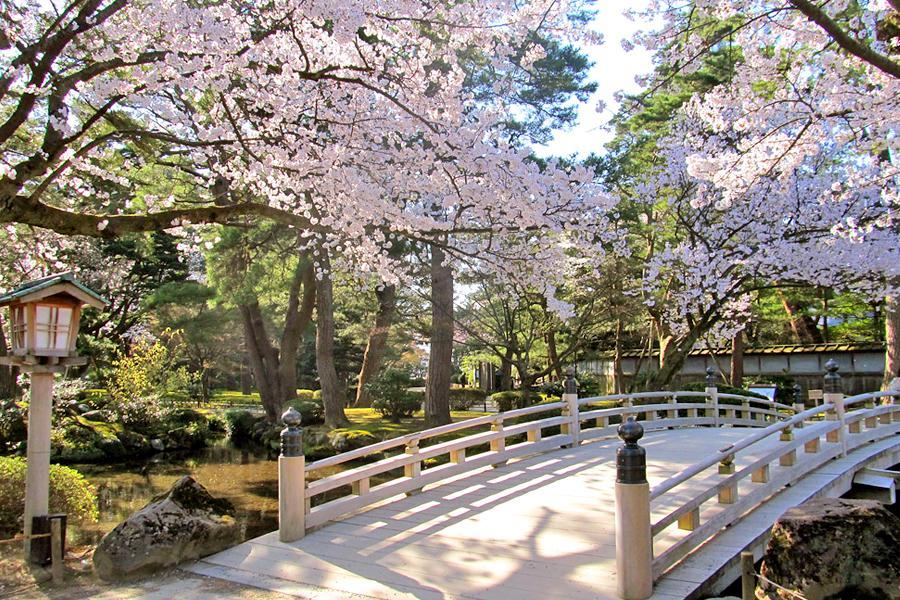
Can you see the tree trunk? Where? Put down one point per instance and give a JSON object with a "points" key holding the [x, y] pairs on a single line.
{"points": [[440, 356], [274, 370], [672, 354], [506, 366], [891, 338], [377, 343], [7, 374], [299, 314], [618, 375], [737, 359], [552, 355], [803, 326], [246, 383], [328, 379], [263, 360]]}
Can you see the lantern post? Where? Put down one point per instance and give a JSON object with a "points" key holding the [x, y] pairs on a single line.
{"points": [[43, 318]]}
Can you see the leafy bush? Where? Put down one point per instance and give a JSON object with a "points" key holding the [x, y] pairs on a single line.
{"points": [[217, 423], [465, 398], [240, 424], [307, 395], [70, 493], [509, 400], [343, 440], [144, 383], [12, 424], [590, 384], [552, 388], [312, 412], [392, 397]]}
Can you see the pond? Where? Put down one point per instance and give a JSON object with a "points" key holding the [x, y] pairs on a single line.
{"points": [[249, 479]]}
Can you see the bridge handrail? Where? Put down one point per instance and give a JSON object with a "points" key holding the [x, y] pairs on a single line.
{"points": [[844, 431], [432, 432], [743, 443], [869, 396]]}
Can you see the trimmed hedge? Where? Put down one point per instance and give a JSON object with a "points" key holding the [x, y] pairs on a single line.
{"points": [[70, 493], [464, 398]]}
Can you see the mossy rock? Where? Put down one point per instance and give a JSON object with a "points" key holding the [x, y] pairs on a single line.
{"points": [[343, 440], [318, 452], [78, 439]]}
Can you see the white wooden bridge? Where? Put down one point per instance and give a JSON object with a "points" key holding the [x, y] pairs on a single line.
{"points": [[524, 506]]}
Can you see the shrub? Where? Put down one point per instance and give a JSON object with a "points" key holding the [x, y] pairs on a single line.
{"points": [[12, 424], [392, 397], [552, 388], [217, 423], [343, 440], [239, 424], [465, 398], [700, 386], [509, 400], [307, 395], [312, 412], [145, 382], [70, 493]]}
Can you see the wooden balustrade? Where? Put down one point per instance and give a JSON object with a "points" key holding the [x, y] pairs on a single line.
{"points": [[843, 428]]}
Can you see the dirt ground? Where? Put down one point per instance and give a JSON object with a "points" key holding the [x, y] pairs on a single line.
{"points": [[16, 581]]}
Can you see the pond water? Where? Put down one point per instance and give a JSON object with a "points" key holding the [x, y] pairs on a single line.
{"points": [[248, 479]]}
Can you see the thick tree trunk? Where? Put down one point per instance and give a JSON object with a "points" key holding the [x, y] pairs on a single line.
{"points": [[803, 326], [553, 356], [328, 379], [375, 347], [440, 356], [672, 354], [274, 370], [7, 374], [891, 338], [263, 360], [737, 359], [299, 314], [506, 383]]}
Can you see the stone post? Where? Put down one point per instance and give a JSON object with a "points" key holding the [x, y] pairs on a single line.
{"points": [[634, 544], [37, 473], [712, 399], [291, 480], [570, 397], [799, 405], [833, 394]]}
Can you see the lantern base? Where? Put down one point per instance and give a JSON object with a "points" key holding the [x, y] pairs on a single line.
{"points": [[43, 364]]}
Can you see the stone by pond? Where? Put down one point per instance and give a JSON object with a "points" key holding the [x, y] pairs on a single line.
{"points": [[185, 523], [247, 479]]}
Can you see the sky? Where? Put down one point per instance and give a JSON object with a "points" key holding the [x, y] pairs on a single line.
{"points": [[614, 69]]}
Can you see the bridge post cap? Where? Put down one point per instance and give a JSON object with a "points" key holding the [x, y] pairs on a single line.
{"points": [[570, 385], [630, 431], [292, 434], [798, 394], [710, 376], [291, 417], [832, 379]]}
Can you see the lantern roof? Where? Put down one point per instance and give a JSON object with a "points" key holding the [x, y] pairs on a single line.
{"points": [[60, 283]]}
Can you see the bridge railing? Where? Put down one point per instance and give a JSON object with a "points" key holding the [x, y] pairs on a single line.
{"points": [[843, 424], [310, 496]]}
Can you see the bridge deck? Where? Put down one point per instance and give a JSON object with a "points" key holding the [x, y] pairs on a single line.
{"points": [[538, 527]]}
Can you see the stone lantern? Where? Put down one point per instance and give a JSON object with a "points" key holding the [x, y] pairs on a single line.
{"points": [[43, 321]]}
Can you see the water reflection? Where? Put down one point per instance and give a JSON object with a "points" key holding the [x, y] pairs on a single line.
{"points": [[249, 480]]}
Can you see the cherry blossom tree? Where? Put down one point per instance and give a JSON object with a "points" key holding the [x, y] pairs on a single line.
{"points": [[785, 171]]}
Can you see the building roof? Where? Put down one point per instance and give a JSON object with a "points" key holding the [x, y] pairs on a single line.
{"points": [[35, 287], [777, 349]]}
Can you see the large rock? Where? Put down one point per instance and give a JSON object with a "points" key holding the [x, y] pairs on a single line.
{"points": [[834, 548], [185, 523]]}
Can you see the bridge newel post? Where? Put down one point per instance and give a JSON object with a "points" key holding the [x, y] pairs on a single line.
{"points": [[712, 395], [799, 406], [570, 397], [634, 544], [833, 393], [291, 479]]}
